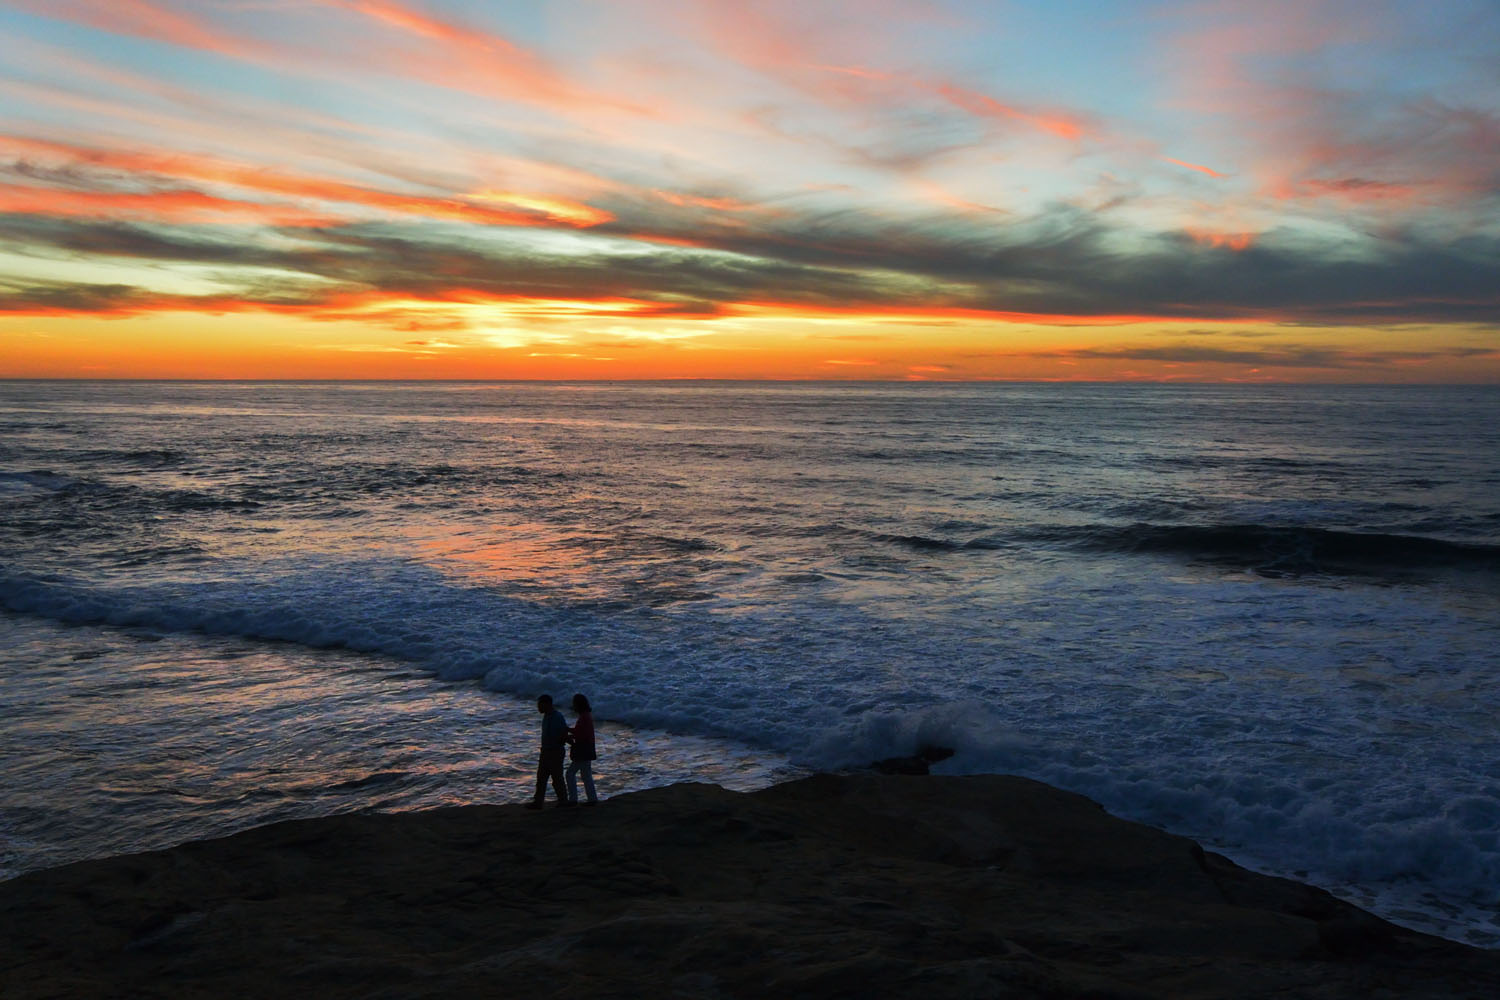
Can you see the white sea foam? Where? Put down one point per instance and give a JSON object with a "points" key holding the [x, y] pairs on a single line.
{"points": [[1278, 758]]}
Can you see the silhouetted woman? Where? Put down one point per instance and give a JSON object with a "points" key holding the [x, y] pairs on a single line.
{"points": [[583, 753]]}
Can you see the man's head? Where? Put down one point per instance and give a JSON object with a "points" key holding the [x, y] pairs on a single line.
{"points": [[544, 704]]}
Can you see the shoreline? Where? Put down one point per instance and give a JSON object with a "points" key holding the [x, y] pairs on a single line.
{"points": [[856, 884], [637, 761]]}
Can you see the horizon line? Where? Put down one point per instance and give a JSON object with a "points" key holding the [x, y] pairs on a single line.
{"points": [[763, 379]]}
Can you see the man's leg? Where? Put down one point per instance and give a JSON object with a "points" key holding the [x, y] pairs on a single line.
{"points": [[541, 784], [557, 778]]}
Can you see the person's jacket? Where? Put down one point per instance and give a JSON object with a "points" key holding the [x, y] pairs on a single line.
{"points": [[583, 738], [554, 731]]}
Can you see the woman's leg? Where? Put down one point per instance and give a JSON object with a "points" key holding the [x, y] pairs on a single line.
{"points": [[588, 782]]}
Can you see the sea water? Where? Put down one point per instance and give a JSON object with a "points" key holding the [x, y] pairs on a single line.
{"points": [[1265, 617]]}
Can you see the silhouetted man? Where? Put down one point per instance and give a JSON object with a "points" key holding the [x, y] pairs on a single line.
{"points": [[554, 740]]}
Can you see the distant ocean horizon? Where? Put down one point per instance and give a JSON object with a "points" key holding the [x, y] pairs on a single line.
{"points": [[1261, 615], [911, 380]]}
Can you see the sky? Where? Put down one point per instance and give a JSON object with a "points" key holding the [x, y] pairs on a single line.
{"points": [[867, 189]]}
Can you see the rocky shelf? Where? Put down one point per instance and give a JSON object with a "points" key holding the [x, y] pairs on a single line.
{"points": [[862, 885]]}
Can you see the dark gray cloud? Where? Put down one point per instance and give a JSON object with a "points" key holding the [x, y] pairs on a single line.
{"points": [[68, 297], [52, 235], [1283, 357], [360, 259], [1070, 261], [1064, 262]]}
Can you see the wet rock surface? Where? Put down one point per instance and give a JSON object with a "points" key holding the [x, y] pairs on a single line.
{"points": [[834, 886]]}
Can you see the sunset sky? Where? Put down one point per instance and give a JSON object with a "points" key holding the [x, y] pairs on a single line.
{"points": [[891, 189]]}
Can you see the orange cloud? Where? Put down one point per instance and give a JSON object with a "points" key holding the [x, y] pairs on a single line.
{"points": [[398, 308], [165, 206], [1355, 189], [456, 56], [1228, 241], [696, 201], [410, 20], [564, 210], [1062, 125], [916, 314], [941, 195], [863, 72], [146, 20], [1195, 166], [481, 62]]}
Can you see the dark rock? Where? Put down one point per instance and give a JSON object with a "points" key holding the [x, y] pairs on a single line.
{"points": [[834, 886], [918, 763]]}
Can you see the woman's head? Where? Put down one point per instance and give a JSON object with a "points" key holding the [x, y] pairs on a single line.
{"points": [[581, 704]]}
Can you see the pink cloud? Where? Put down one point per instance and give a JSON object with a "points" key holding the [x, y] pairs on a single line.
{"points": [[145, 19], [1195, 166], [463, 57], [820, 52], [696, 201], [438, 52], [506, 208], [1065, 125], [175, 205], [1309, 137]]}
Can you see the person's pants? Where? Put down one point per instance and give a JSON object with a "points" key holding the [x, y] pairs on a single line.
{"points": [[585, 768], [550, 766]]}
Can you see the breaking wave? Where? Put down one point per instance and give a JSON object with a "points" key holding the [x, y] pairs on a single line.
{"points": [[1269, 550]]}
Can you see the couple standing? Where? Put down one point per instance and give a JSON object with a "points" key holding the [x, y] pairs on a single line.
{"points": [[555, 735]]}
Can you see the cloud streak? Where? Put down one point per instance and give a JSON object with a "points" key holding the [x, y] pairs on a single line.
{"points": [[155, 169]]}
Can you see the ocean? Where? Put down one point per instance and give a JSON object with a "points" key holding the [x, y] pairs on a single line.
{"points": [[1266, 617]]}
